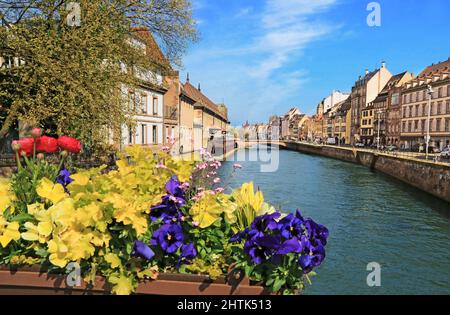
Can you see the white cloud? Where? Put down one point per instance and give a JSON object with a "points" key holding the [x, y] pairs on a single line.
{"points": [[288, 28], [287, 12], [244, 12], [252, 70]]}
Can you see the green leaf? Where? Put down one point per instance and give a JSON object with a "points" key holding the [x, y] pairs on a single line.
{"points": [[278, 283]]}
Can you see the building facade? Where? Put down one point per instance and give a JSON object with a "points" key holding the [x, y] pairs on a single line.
{"points": [[388, 97], [364, 91], [415, 108], [209, 118]]}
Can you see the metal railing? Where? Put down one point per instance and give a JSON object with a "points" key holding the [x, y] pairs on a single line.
{"points": [[420, 156]]}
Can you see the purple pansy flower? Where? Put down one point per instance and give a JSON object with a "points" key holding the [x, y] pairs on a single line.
{"points": [[261, 248], [316, 231], [169, 237], [64, 178], [290, 246], [237, 238], [313, 255], [141, 249], [263, 223], [169, 208], [291, 225], [188, 253]]}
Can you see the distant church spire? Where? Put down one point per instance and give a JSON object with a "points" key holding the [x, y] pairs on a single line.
{"points": [[199, 88], [187, 78]]}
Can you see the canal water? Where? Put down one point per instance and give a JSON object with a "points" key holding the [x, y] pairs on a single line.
{"points": [[371, 218]]}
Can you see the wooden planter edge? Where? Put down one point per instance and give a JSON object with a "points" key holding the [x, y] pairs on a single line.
{"points": [[39, 283]]}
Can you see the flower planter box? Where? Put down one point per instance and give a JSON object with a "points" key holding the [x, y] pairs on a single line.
{"points": [[30, 281]]}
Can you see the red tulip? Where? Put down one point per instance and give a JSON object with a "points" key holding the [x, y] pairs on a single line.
{"points": [[46, 144], [36, 132], [26, 146], [70, 144]]}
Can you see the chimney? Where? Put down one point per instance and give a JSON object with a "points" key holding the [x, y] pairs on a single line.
{"points": [[367, 71], [199, 89], [383, 64]]}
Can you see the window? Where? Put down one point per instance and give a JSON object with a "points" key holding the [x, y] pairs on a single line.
{"points": [[448, 90], [130, 135], [438, 124], [440, 92], [417, 110], [417, 96], [131, 101], [416, 125], [144, 103], [144, 133], [410, 111], [439, 109], [447, 124], [424, 95], [155, 106], [448, 107], [424, 109], [423, 124], [395, 99], [409, 126], [155, 135]]}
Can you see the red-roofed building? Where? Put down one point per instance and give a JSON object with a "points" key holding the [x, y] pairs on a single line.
{"points": [[209, 117], [414, 111]]}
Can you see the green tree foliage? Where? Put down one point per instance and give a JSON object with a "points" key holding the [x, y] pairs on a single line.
{"points": [[72, 77]]}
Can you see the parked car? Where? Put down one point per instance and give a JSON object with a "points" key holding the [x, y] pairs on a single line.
{"points": [[359, 145], [392, 148], [422, 148], [445, 153], [331, 141]]}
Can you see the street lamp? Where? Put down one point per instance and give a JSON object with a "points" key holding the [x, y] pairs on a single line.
{"points": [[427, 139], [379, 122]]}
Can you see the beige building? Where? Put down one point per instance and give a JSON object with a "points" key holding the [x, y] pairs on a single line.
{"points": [[209, 118], [389, 97], [365, 90], [415, 108], [171, 107]]}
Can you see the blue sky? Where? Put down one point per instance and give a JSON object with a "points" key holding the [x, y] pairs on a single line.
{"points": [[263, 57]]}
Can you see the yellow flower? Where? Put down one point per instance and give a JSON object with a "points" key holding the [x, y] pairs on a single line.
{"points": [[122, 284], [6, 197], [100, 239], [9, 231], [50, 191], [79, 179], [113, 260], [63, 213], [89, 215], [245, 196], [127, 213], [24, 260], [40, 233], [58, 253], [207, 210]]}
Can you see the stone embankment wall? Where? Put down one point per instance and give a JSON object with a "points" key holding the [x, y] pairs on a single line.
{"points": [[433, 178]]}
